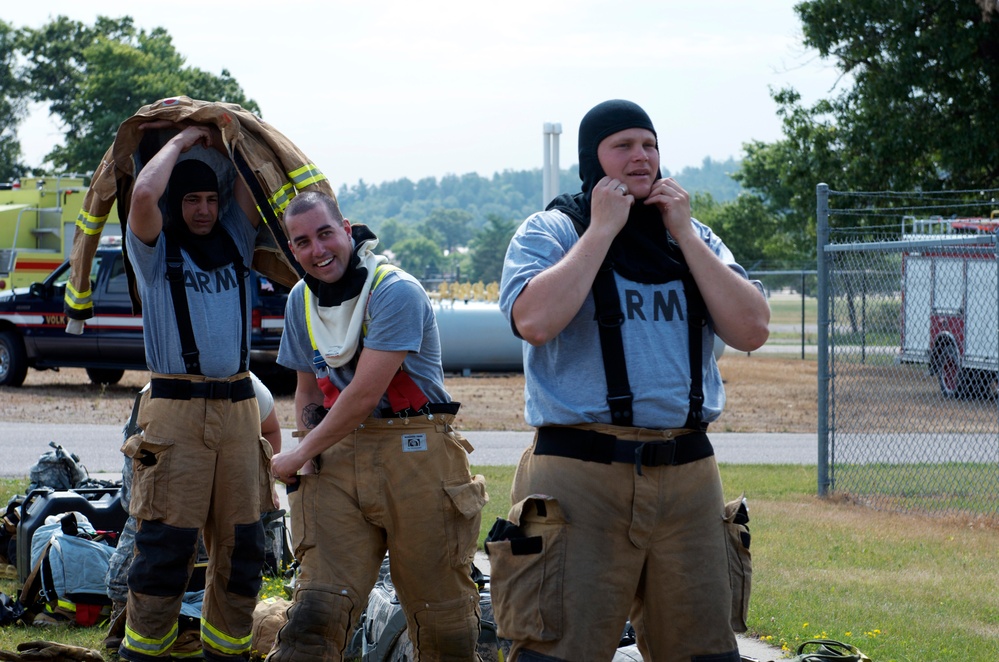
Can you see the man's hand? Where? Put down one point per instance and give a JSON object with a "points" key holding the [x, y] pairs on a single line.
{"points": [[610, 205], [285, 467], [188, 135], [674, 205]]}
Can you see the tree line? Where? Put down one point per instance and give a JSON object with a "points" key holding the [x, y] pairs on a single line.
{"points": [[914, 111]]}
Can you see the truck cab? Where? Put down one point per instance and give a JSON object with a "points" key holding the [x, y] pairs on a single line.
{"points": [[33, 326]]}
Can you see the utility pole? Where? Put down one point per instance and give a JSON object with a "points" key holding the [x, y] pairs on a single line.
{"points": [[550, 171]]}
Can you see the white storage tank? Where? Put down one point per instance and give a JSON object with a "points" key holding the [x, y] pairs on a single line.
{"points": [[475, 336]]}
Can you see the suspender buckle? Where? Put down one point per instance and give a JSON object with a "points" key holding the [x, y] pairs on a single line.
{"points": [[620, 409], [610, 321], [174, 268], [192, 361]]}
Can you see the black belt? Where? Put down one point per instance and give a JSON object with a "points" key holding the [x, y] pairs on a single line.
{"points": [[592, 446], [429, 408], [182, 389]]}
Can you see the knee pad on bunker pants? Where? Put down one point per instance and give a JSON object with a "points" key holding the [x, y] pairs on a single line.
{"points": [[318, 627], [161, 566], [447, 631]]}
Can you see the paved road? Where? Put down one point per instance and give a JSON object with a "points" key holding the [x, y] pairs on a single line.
{"points": [[98, 446]]}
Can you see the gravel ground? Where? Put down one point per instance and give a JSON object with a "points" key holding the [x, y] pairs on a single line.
{"points": [[765, 394]]}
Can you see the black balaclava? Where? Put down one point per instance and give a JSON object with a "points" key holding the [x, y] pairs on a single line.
{"points": [[207, 251], [354, 276], [642, 251]]}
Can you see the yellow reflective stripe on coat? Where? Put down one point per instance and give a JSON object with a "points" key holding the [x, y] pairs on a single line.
{"points": [[78, 300], [89, 224], [299, 178], [222, 642], [307, 175], [134, 641], [280, 198]]}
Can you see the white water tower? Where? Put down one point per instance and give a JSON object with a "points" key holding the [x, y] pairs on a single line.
{"points": [[550, 172]]}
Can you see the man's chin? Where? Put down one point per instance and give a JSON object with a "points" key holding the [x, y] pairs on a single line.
{"points": [[325, 275], [201, 230]]}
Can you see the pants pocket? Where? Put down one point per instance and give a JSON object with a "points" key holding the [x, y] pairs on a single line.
{"points": [[463, 501], [740, 562], [302, 503], [150, 493], [527, 560], [266, 482]]}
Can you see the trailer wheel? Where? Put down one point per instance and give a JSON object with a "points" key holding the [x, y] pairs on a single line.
{"points": [[13, 359], [947, 365]]}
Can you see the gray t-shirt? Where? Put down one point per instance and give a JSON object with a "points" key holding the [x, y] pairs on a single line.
{"points": [[212, 298], [399, 318], [565, 379]]}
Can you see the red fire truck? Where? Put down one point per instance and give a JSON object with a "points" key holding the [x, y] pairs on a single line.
{"points": [[950, 302]]}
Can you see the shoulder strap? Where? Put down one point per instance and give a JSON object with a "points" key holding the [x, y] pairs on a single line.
{"points": [[181, 311], [609, 321], [696, 319], [175, 277]]}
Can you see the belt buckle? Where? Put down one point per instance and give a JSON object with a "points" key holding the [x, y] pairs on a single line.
{"points": [[218, 390], [654, 454]]}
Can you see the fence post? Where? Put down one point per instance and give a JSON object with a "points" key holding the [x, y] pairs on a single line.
{"points": [[822, 238], [802, 315]]}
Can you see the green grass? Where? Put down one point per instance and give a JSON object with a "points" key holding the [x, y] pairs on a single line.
{"points": [[902, 588], [788, 311]]}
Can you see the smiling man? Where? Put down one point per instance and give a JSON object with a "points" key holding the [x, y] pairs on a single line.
{"points": [[618, 508], [381, 467]]}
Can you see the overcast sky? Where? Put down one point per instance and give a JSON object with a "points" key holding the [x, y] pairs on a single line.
{"points": [[382, 90]]}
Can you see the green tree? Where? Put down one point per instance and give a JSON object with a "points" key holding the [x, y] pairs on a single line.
{"points": [[488, 249], [12, 105], [418, 255], [391, 232], [450, 227], [915, 112], [926, 87], [95, 77]]}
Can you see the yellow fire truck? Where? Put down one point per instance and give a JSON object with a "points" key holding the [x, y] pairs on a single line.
{"points": [[37, 224]]}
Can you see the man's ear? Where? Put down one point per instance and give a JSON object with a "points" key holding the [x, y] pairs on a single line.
{"points": [[346, 225]]}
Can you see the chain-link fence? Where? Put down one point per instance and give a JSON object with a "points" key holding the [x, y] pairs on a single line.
{"points": [[909, 351]]}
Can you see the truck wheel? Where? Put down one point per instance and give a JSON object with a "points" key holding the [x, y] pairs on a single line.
{"points": [[105, 375], [13, 359], [948, 368], [981, 384]]}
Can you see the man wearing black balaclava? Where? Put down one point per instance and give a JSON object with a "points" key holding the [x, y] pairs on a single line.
{"points": [[618, 508], [196, 463]]}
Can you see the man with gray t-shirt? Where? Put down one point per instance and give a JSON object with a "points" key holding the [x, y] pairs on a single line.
{"points": [[382, 467], [197, 464], [618, 510]]}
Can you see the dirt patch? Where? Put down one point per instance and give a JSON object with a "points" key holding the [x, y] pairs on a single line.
{"points": [[764, 395]]}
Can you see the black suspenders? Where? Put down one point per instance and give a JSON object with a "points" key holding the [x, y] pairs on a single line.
{"points": [[610, 318], [175, 277]]}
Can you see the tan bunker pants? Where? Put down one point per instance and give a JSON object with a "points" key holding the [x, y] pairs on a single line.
{"points": [[196, 466], [396, 485]]}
